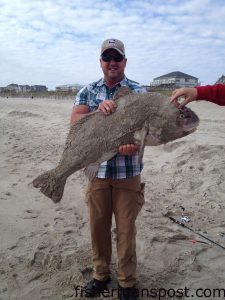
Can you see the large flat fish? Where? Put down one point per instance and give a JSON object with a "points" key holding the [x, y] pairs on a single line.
{"points": [[147, 119]]}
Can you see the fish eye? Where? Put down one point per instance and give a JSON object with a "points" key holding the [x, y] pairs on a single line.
{"points": [[182, 115]]}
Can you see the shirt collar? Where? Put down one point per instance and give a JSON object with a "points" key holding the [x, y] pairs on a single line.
{"points": [[123, 82]]}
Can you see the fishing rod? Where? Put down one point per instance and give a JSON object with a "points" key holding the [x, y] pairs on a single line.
{"points": [[185, 226]]}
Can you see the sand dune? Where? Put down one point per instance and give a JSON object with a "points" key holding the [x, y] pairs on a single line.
{"points": [[45, 247]]}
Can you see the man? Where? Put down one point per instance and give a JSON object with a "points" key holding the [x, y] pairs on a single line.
{"points": [[117, 188], [213, 93]]}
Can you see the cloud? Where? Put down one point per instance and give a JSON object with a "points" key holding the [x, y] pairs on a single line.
{"points": [[57, 42]]}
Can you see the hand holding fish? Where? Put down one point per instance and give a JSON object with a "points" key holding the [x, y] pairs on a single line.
{"points": [[189, 94], [129, 149], [107, 107]]}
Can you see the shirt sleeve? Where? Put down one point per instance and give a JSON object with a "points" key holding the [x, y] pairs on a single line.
{"points": [[213, 93], [81, 97]]}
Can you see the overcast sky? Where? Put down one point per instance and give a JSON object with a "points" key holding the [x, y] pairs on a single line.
{"points": [[55, 42]]}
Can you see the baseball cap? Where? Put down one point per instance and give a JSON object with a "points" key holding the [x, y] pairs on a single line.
{"points": [[113, 44]]}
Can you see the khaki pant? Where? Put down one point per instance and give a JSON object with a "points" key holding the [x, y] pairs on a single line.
{"points": [[124, 198]]}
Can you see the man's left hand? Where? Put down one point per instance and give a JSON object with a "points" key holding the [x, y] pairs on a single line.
{"points": [[129, 149]]}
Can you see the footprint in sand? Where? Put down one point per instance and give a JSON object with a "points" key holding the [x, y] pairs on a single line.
{"points": [[182, 163], [59, 208], [22, 114], [201, 167], [44, 244], [30, 214], [59, 223], [37, 262], [195, 184]]}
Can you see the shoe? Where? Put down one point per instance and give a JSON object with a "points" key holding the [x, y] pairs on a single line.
{"points": [[95, 287], [129, 293]]}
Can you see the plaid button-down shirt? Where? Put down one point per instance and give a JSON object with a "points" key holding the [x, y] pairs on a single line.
{"points": [[120, 166]]}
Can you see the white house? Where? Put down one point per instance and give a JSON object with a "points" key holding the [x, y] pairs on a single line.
{"points": [[68, 87], [175, 79]]}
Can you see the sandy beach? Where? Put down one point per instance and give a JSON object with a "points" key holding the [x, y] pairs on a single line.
{"points": [[45, 248]]}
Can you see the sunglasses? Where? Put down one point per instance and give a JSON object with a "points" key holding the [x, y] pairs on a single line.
{"points": [[108, 58]]}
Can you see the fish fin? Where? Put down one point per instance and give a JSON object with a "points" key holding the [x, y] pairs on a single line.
{"points": [[122, 91], [152, 140], [91, 171], [141, 153], [140, 137], [50, 185]]}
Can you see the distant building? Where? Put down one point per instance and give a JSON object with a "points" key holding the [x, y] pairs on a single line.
{"points": [[68, 87], [221, 80], [39, 88], [175, 79], [148, 88], [12, 88], [23, 88]]}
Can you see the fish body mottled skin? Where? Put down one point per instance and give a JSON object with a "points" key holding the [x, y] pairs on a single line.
{"points": [[147, 119]]}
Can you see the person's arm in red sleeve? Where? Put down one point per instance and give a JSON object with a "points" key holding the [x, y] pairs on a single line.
{"points": [[213, 93]]}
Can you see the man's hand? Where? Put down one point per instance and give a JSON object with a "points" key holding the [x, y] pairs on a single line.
{"points": [[129, 149], [107, 107], [189, 94]]}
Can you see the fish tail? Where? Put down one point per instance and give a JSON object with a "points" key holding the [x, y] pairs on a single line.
{"points": [[50, 185]]}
